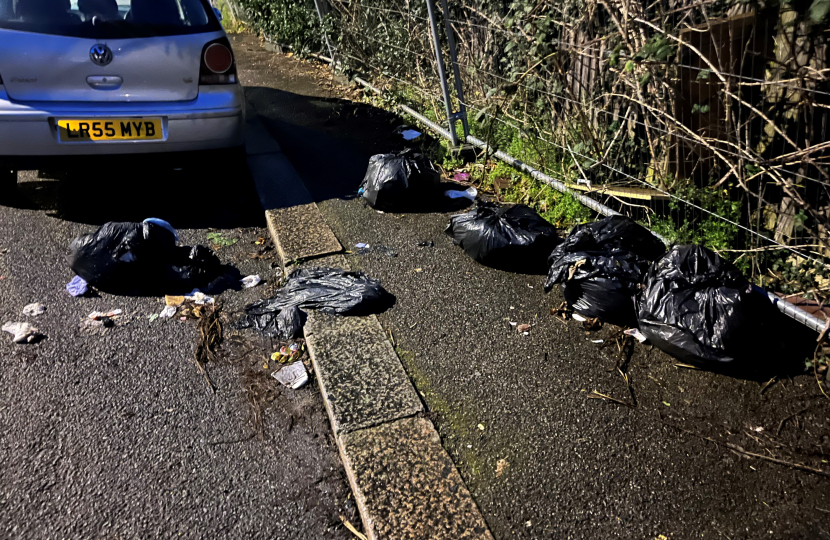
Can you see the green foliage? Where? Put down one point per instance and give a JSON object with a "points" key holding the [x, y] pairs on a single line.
{"points": [[218, 239], [687, 225], [819, 10], [293, 23], [659, 48]]}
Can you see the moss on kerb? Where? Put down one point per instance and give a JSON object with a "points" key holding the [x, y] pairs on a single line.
{"points": [[452, 424]]}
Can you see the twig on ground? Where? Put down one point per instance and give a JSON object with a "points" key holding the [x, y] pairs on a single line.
{"points": [[784, 420], [738, 450], [351, 528], [597, 395]]}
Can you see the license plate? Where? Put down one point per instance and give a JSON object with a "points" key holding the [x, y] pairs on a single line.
{"points": [[122, 129]]}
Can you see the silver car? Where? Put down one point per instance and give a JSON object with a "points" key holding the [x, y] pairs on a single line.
{"points": [[93, 77]]}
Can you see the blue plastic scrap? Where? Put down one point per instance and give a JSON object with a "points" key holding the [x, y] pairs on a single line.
{"points": [[77, 287]]}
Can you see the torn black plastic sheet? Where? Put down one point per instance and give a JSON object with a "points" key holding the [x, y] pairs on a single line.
{"points": [[326, 289]]}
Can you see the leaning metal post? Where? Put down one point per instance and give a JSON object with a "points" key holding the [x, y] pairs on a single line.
{"points": [[441, 72], [322, 29], [459, 88]]}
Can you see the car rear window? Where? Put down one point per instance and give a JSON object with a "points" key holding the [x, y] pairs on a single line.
{"points": [[108, 19]]}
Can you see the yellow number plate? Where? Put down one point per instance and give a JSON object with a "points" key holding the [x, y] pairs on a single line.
{"points": [[124, 129]]}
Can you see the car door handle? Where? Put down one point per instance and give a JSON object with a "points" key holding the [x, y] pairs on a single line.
{"points": [[104, 82]]}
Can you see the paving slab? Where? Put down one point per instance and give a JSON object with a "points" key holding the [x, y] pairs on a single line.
{"points": [[406, 486], [361, 377], [300, 232]]}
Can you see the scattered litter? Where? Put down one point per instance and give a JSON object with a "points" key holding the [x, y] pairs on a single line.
{"points": [[393, 180], [290, 324], [758, 429], [597, 341], [153, 317], [636, 334], [293, 375], [461, 177], [168, 312], [523, 328], [667, 404], [699, 308], [513, 323], [22, 332], [407, 133], [33, 310], [250, 281], [600, 266], [426, 243], [469, 193], [579, 317], [327, 289], [480, 427], [513, 237], [100, 315], [363, 249], [77, 286], [173, 300], [592, 323], [501, 465], [140, 257], [199, 298], [163, 224]]}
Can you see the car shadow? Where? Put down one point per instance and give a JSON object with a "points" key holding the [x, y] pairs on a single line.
{"points": [[215, 193]]}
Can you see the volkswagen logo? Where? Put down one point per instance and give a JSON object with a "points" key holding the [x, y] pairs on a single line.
{"points": [[100, 54]]}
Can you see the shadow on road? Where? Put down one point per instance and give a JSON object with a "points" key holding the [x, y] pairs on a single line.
{"points": [[192, 195]]}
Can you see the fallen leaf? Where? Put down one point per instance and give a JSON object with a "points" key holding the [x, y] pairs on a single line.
{"points": [[522, 328], [501, 465]]}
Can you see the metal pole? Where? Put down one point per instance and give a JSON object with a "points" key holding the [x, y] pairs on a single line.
{"points": [[459, 88], [442, 74], [322, 29]]}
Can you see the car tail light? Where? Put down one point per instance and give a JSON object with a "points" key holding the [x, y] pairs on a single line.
{"points": [[218, 64]]}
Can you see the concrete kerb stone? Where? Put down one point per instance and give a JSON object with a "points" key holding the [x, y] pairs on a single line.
{"points": [[361, 378], [406, 486], [404, 481]]}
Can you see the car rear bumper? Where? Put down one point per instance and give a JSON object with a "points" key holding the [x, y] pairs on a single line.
{"points": [[215, 119]]}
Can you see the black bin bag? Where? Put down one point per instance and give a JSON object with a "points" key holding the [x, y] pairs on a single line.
{"points": [[699, 308], [128, 257], [123, 256], [511, 237], [600, 267], [397, 181], [326, 289]]}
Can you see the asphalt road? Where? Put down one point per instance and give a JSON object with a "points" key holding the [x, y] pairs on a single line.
{"points": [[542, 459], [113, 433]]}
